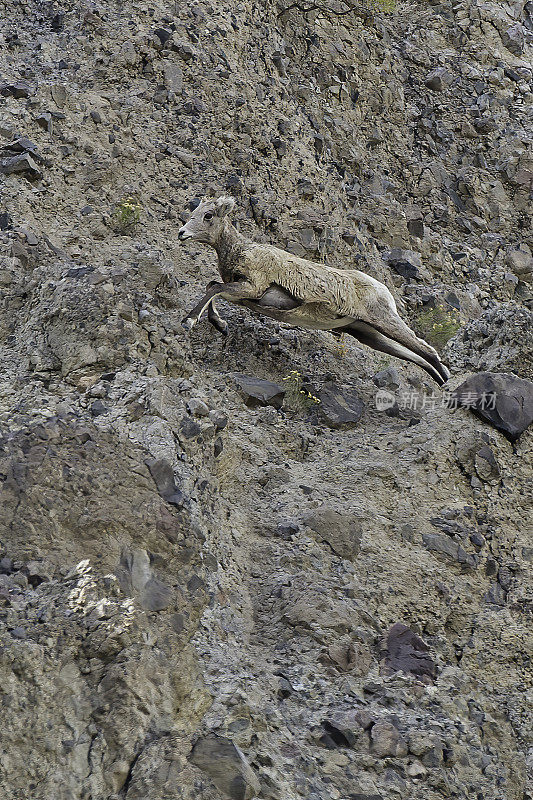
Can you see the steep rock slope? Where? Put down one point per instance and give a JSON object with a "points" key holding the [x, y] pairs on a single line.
{"points": [[199, 598]]}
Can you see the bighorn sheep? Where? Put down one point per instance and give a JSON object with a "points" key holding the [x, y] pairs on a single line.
{"points": [[301, 293]]}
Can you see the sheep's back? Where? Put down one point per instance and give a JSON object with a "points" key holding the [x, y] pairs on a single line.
{"points": [[346, 291]]}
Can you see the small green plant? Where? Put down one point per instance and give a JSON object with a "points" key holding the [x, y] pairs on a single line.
{"points": [[382, 6], [299, 398], [438, 325], [383, 362], [127, 213], [341, 345]]}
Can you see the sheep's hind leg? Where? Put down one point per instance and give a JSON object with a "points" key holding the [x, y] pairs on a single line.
{"points": [[393, 327], [372, 338]]}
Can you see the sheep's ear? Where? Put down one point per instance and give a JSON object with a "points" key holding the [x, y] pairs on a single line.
{"points": [[224, 205]]}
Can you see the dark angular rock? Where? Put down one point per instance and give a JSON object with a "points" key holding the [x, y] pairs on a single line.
{"points": [[319, 143], [280, 146], [258, 392], [406, 651], [433, 757], [155, 595], [487, 468], [416, 227], [339, 408], [336, 735], [57, 22], [163, 35], [234, 184], [514, 39], [226, 765], [194, 583], [439, 543], [79, 272], [491, 567], [45, 121], [6, 566], [5, 221], [193, 106], [18, 89], [163, 476], [279, 62], [447, 524], [439, 79], [387, 379], [23, 164], [21, 145], [189, 428], [177, 623], [477, 539], [496, 595], [21, 156], [512, 75], [184, 50], [500, 398], [287, 529], [453, 301], [405, 262], [365, 797], [98, 408], [218, 418], [285, 688]]}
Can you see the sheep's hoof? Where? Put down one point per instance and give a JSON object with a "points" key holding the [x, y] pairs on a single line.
{"points": [[188, 323]]}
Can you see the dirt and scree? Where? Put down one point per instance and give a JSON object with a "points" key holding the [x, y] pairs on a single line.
{"points": [[202, 596]]}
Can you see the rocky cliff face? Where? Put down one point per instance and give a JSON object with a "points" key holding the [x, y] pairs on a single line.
{"points": [[202, 596]]}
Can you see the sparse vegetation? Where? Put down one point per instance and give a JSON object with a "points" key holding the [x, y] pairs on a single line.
{"points": [[127, 213], [341, 345], [437, 325], [297, 397]]}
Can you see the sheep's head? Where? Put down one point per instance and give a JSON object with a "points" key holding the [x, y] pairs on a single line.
{"points": [[207, 220]]}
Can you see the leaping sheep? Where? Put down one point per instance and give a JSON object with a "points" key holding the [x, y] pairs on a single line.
{"points": [[301, 293]]}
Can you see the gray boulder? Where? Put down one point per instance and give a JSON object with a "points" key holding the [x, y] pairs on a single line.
{"points": [[404, 650], [439, 79], [502, 399], [258, 392], [339, 408]]}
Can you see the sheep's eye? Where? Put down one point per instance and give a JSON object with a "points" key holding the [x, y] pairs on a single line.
{"points": [[209, 215]]}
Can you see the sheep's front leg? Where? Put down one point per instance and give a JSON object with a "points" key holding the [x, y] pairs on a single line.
{"points": [[216, 320], [238, 290]]}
